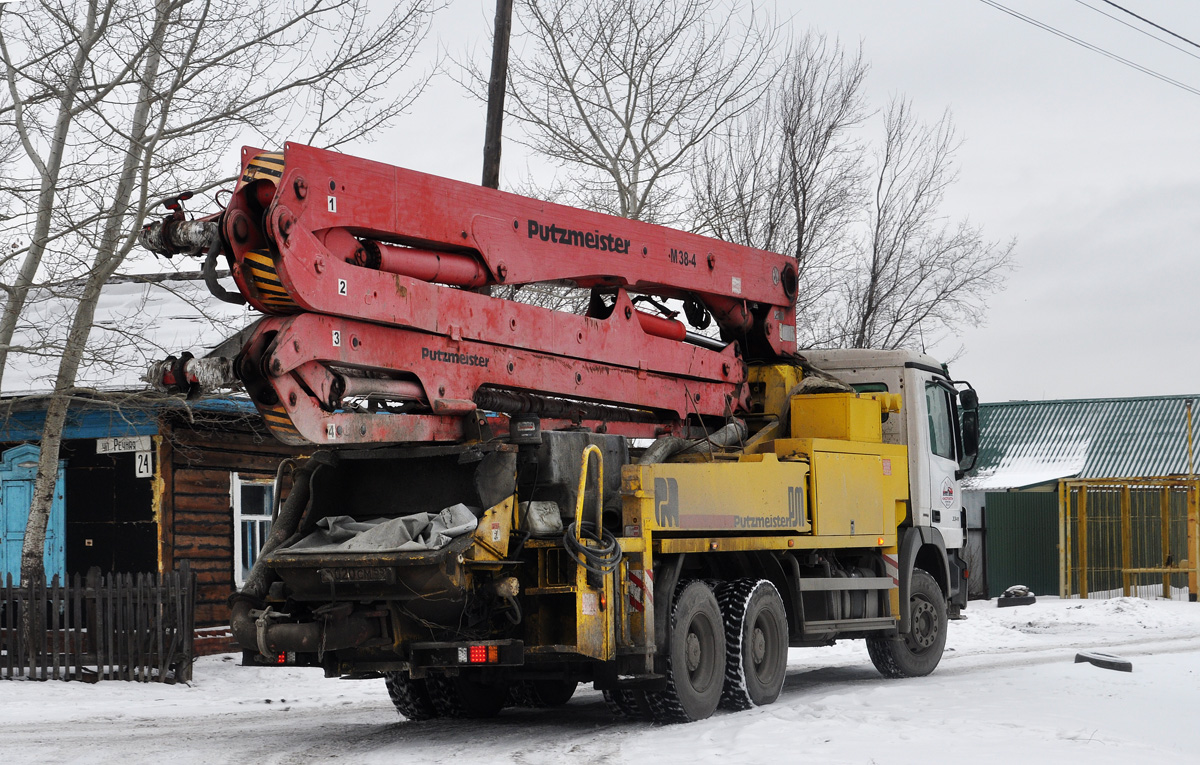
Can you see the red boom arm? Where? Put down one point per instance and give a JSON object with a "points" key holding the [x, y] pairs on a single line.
{"points": [[373, 274]]}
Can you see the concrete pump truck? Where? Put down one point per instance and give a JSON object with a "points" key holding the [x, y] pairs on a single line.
{"points": [[505, 501]]}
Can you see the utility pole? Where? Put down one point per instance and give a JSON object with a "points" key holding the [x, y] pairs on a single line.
{"points": [[496, 87]]}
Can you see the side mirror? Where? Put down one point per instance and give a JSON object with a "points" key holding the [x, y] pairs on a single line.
{"points": [[968, 399], [968, 407]]}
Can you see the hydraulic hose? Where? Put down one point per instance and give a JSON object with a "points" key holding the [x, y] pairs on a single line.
{"points": [[667, 447], [259, 580], [602, 559]]}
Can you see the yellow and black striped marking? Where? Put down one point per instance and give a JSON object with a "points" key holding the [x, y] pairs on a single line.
{"points": [[277, 420], [267, 165], [260, 268]]}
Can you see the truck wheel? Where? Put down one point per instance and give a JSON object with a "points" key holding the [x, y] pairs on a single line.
{"points": [[410, 696], [917, 653], [631, 704], [695, 658], [756, 643], [541, 694], [463, 697]]}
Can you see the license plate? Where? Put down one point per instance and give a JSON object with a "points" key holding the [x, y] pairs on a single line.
{"points": [[359, 574]]}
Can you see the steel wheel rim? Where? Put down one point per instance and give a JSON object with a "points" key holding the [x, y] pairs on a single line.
{"points": [[924, 631], [699, 654]]}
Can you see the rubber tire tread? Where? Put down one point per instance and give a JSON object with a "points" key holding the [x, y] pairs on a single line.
{"points": [[1018, 600], [1104, 661], [456, 697], [735, 598], [692, 598], [892, 656], [541, 694], [410, 696], [627, 703]]}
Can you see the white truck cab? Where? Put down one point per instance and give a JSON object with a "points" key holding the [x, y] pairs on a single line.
{"points": [[938, 422]]}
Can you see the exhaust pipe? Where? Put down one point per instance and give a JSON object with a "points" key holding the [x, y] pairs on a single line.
{"points": [[246, 604]]}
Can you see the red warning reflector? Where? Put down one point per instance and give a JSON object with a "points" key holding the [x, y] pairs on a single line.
{"points": [[281, 658], [479, 654]]}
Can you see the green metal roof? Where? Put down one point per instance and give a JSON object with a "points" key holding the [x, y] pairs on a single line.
{"points": [[1023, 443]]}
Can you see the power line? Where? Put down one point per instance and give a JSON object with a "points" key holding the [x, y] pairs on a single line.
{"points": [[1137, 29], [1151, 23], [1095, 48]]}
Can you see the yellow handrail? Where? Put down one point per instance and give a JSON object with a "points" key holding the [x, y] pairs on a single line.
{"points": [[589, 450]]}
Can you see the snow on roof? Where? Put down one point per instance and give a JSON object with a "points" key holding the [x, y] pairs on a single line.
{"points": [[1031, 464], [1023, 443], [138, 320]]}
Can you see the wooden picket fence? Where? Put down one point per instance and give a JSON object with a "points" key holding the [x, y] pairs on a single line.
{"points": [[101, 627]]}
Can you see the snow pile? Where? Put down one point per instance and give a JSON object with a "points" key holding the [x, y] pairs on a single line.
{"points": [[1007, 690]]}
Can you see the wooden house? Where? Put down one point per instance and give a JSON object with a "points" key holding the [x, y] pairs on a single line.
{"points": [[148, 484]]}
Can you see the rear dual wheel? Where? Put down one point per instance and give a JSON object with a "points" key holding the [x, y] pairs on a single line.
{"points": [[541, 694], [410, 696], [756, 643], [695, 671], [460, 696], [629, 703], [727, 648]]}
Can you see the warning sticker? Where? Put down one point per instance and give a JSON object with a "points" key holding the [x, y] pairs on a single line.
{"points": [[590, 604], [641, 588]]}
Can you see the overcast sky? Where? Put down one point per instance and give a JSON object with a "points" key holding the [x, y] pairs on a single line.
{"points": [[1092, 166]]}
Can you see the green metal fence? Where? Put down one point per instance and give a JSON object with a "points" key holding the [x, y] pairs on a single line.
{"points": [[1022, 541]]}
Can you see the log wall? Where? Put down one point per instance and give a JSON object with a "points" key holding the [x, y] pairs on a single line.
{"points": [[196, 507]]}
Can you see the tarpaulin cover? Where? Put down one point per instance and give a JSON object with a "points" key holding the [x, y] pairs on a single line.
{"points": [[419, 531]]}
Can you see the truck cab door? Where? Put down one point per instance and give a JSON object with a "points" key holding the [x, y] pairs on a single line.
{"points": [[942, 454]]}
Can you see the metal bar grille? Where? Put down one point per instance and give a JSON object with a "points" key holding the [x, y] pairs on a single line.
{"points": [[1130, 537]]}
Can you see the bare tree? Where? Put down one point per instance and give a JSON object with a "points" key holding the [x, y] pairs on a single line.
{"points": [[917, 272], [117, 103], [621, 93], [878, 264], [787, 175]]}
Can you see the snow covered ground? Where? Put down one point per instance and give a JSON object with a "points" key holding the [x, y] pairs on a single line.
{"points": [[1007, 691]]}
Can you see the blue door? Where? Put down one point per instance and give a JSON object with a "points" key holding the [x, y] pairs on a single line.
{"points": [[18, 468]]}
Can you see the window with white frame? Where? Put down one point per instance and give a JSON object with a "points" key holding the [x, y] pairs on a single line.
{"points": [[253, 497]]}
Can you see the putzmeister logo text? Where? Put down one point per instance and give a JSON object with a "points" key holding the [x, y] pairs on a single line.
{"points": [[591, 240], [448, 357]]}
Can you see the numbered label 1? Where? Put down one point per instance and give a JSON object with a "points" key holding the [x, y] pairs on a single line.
{"points": [[342, 287], [143, 465], [332, 203], [337, 338]]}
